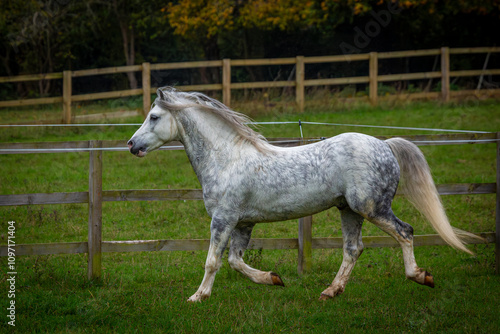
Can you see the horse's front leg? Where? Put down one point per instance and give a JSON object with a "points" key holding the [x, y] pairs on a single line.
{"points": [[220, 230]]}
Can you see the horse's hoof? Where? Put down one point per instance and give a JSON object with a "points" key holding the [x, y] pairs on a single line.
{"points": [[429, 280], [324, 296], [276, 279], [196, 298]]}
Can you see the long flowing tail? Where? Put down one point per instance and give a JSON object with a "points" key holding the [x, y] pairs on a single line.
{"points": [[417, 185]]}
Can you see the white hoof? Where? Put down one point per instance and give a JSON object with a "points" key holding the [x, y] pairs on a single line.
{"points": [[197, 298]]}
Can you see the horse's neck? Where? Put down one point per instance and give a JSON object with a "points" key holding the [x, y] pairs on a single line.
{"points": [[209, 142]]}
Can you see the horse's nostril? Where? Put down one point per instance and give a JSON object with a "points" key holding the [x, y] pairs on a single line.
{"points": [[130, 144]]}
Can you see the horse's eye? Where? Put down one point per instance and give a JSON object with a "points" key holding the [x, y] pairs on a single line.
{"points": [[154, 117]]}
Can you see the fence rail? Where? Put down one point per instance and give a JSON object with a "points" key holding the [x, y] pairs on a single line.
{"points": [[299, 82], [305, 242]]}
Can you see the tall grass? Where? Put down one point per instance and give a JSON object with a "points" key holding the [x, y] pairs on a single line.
{"points": [[145, 292]]}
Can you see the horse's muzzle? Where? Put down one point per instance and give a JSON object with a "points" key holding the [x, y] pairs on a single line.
{"points": [[135, 149]]}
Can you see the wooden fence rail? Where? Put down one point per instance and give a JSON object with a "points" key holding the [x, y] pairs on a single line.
{"points": [[372, 78], [305, 242]]}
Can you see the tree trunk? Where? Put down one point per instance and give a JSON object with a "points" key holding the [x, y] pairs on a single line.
{"points": [[21, 92], [128, 38], [129, 51], [47, 67], [211, 50]]}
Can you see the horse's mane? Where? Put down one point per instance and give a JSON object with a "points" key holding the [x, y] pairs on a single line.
{"points": [[171, 99]]}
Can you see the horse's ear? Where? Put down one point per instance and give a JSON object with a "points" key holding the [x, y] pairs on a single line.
{"points": [[166, 93], [161, 94]]}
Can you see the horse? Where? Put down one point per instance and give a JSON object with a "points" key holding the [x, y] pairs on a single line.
{"points": [[245, 180]]}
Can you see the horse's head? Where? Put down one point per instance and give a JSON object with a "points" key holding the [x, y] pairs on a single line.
{"points": [[159, 128]]}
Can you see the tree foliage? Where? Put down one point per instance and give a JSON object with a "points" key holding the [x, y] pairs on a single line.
{"points": [[37, 36], [45, 36], [211, 17]]}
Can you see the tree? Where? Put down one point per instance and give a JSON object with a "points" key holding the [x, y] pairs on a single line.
{"points": [[211, 21], [207, 19], [124, 11], [53, 35], [33, 36]]}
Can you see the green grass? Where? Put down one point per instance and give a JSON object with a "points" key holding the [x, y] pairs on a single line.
{"points": [[146, 292]]}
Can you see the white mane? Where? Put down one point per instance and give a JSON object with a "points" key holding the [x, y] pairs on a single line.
{"points": [[173, 100]]}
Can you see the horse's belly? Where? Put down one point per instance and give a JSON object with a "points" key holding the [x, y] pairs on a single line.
{"points": [[290, 205]]}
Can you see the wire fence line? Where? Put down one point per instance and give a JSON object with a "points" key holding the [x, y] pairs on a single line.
{"points": [[299, 122], [278, 142], [179, 147], [395, 127], [66, 125]]}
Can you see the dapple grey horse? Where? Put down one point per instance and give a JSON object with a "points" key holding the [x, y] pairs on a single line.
{"points": [[246, 180]]}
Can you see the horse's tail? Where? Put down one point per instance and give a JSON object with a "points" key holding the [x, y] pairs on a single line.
{"points": [[417, 185]]}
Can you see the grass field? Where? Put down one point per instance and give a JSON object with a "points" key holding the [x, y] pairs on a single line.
{"points": [[146, 292]]}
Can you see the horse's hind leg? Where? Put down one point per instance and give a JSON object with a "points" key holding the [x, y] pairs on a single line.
{"points": [[403, 233], [353, 247], [240, 238]]}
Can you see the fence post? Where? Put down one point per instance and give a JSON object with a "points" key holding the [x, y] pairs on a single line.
{"points": [[497, 223], [146, 88], [226, 82], [95, 211], [299, 82], [445, 74], [305, 245], [373, 71], [67, 88]]}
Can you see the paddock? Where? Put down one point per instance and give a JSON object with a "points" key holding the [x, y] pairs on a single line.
{"points": [[94, 246], [147, 289]]}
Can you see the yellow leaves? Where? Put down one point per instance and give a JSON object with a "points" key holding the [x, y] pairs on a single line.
{"points": [[412, 3], [201, 18], [210, 17], [358, 9], [207, 18], [282, 14], [359, 6]]}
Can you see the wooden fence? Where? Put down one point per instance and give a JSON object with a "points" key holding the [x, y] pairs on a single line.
{"points": [[305, 242], [300, 82]]}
